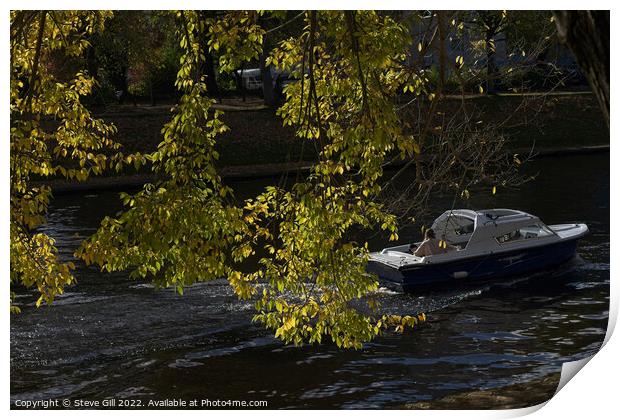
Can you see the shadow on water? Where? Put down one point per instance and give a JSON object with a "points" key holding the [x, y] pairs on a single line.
{"points": [[110, 336]]}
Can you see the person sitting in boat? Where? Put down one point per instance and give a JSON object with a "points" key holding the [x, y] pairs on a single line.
{"points": [[431, 246]]}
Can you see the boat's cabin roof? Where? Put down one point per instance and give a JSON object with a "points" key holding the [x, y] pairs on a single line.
{"points": [[489, 228], [466, 221]]}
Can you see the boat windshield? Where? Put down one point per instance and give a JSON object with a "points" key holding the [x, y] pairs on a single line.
{"points": [[456, 229]]}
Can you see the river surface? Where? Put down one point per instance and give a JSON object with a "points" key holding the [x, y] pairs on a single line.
{"points": [[112, 337]]}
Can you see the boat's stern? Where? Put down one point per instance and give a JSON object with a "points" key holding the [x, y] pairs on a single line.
{"points": [[385, 272], [387, 263]]}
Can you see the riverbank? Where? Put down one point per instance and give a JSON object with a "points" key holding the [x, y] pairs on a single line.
{"points": [[258, 145], [241, 172], [520, 395], [257, 136]]}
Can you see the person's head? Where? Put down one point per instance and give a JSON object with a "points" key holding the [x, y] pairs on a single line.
{"points": [[429, 234]]}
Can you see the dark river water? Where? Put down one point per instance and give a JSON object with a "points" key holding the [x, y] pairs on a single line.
{"points": [[112, 337]]}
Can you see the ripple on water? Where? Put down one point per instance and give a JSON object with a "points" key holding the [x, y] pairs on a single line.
{"points": [[135, 392], [316, 357], [70, 298], [184, 364], [499, 336], [591, 266], [224, 351], [596, 317]]}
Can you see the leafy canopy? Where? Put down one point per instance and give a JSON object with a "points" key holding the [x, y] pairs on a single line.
{"points": [[310, 281], [38, 97]]}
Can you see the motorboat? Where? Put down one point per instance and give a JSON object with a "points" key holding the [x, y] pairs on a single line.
{"points": [[479, 245]]}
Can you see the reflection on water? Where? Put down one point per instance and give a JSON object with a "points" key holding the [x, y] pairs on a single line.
{"points": [[110, 336]]}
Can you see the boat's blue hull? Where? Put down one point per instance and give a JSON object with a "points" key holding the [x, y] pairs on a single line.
{"points": [[497, 265]]}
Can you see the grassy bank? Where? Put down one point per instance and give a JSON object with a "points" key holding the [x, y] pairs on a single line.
{"points": [[257, 145], [257, 137]]}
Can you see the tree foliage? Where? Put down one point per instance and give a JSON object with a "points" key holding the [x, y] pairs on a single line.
{"points": [[39, 95], [180, 230], [187, 229], [136, 54]]}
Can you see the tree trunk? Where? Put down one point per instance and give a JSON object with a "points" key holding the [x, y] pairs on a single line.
{"points": [[123, 87], [151, 93], [268, 93], [442, 50], [490, 62], [586, 32], [240, 84], [208, 67], [212, 86], [92, 64]]}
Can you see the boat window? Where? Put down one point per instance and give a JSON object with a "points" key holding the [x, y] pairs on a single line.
{"points": [[528, 232]]}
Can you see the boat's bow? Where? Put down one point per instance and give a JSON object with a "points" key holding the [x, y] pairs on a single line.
{"points": [[569, 231]]}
